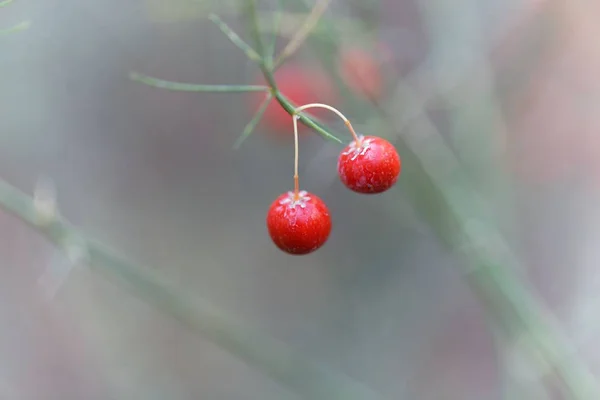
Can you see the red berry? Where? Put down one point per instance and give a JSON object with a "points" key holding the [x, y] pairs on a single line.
{"points": [[301, 85], [298, 225], [371, 166], [361, 72]]}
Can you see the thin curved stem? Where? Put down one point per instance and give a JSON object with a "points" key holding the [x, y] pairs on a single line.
{"points": [[295, 116], [296, 176], [334, 110], [290, 108], [301, 35]]}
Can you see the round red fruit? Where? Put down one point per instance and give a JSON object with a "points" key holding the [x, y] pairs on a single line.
{"points": [[298, 224], [361, 72], [370, 166]]}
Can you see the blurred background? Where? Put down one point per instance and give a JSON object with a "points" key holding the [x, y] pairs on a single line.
{"points": [[509, 88]]}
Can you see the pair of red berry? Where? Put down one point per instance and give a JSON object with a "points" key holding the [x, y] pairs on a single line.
{"points": [[299, 222]]}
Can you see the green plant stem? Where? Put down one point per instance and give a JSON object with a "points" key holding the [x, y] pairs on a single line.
{"points": [[489, 264], [267, 72], [250, 8], [269, 77], [452, 205], [291, 21], [235, 39], [262, 61], [300, 36], [21, 26], [249, 128], [289, 107], [272, 357], [276, 27], [187, 87]]}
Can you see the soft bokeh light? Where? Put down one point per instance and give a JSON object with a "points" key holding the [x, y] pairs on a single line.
{"points": [[505, 91]]}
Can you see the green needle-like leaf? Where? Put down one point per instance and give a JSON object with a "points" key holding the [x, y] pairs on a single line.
{"points": [[234, 37], [187, 87], [308, 121], [303, 32], [5, 3], [250, 9], [19, 27], [271, 46], [284, 364], [249, 128]]}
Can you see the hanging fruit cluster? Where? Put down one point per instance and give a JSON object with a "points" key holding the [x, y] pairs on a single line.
{"points": [[299, 222]]}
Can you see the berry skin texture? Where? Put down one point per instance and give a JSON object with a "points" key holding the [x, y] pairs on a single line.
{"points": [[371, 167], [298, 226]]}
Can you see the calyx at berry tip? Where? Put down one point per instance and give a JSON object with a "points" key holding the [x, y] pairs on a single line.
{"points": [[358, 147], [295, 199]]}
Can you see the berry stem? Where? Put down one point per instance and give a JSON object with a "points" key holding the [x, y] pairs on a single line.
{"points": [[296, 176], [334, 110]]}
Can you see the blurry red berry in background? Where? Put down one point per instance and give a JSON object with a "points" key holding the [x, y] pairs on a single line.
{"points": [[360, 70], [301, 85]]}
